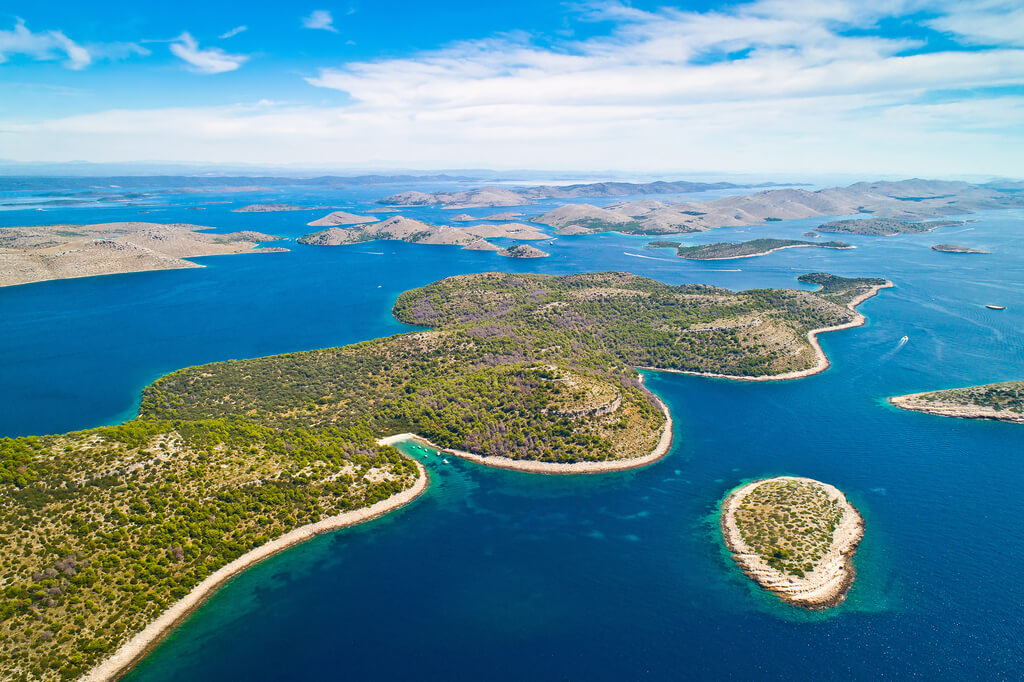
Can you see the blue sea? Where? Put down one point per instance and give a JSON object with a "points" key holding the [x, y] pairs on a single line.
{"points": [[506, 576]]}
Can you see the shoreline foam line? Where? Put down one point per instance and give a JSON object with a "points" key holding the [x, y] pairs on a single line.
{"points": [[556, 468], [136, 648], [823, 362]]}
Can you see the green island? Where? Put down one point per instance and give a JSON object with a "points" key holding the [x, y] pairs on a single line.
{"points": [[955, 248], [1003, 401], [523, 251], [795, 537], [747, 249], [884, 227], [106, 529]]}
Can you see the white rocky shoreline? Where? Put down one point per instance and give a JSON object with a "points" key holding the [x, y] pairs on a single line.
{"points": [[135, 649], [660, 450]]}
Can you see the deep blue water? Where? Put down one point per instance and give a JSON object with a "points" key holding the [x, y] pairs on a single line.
{"points": [[502, 575]]}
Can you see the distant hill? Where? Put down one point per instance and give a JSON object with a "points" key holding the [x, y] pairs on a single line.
{"points": [[503, 196], [891, 202]]}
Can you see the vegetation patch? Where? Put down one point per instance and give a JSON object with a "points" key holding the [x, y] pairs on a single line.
{"points": [[754, 247], [789, 523]]}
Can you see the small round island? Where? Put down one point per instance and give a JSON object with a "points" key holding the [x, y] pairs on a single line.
{"points": [[795, 537]]}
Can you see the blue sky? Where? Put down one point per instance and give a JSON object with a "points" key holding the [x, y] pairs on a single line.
{"points": [[883, 86]]}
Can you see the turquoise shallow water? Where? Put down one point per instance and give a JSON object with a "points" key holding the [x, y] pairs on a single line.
{"points": [[508, 575]]}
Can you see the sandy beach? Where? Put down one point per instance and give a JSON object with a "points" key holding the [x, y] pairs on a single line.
{"points": [[660, 450], [812, 337], [823, 587], [141, 644]]}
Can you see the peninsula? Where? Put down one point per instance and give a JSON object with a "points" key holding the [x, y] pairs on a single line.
{"points": [[112, 529], [46, 252], [748, 249], [1002, 401], [903, 201], [795, 537], [404, 229]]}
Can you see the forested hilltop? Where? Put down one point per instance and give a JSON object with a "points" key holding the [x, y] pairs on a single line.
{"points": [[104, 528]]}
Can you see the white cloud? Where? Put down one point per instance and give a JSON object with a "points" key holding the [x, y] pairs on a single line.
{"points": [[210, 60], [320, 19], [770, 86], [45, 45], [233, 32], [985, 22]]}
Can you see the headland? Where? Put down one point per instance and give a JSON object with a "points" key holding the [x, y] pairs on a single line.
{"points": [[1003, 401]]}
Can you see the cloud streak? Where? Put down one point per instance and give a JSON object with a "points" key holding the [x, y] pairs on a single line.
{"points": [[43, 46], [209, 61], [233, 32]]}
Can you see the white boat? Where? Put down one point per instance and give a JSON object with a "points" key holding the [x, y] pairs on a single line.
{"points": [[904, 340], [995, 307], [445, 461]]}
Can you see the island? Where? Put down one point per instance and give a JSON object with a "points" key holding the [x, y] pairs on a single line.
{"points": [[47, 252], [400, 228], [507, 215], [523, 251], [748, 249], [955, 248], [270, 208], [795, 537], [903, 201], [342, 218], [113, 534], [1002, 401], [884, 227]]}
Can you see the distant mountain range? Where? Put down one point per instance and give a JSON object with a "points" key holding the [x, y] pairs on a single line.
{"points": [[504, 196], [66, 183]]}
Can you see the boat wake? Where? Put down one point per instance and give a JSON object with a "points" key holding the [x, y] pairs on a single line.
{"points": [[637, 255], [902, 342]]}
